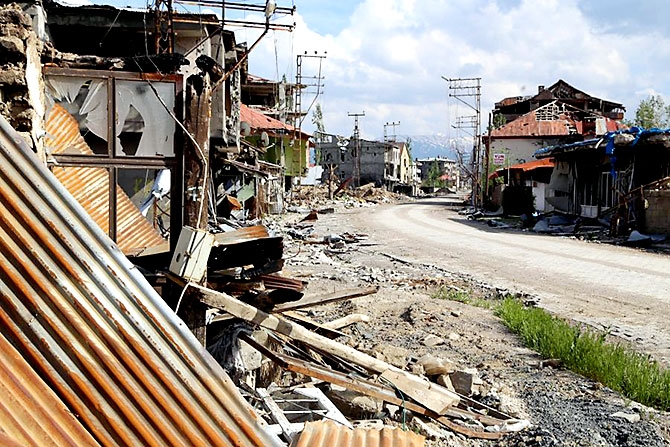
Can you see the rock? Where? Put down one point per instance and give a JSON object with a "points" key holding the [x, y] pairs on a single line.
{"points": [[630, 417], [12, 45], [455, 313], [466, 381], [454, 336], [394, 355], [445, 381], [434, 366], [354, 405], [433, 340]]}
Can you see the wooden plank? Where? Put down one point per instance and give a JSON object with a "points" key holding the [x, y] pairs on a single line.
{"points": [[315, 326], [377, 391], [347, 321], [315, 300], [429, 394], [414, 385]]}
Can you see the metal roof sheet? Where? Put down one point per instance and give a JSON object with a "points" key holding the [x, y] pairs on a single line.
{"points": [[30, 412], [331, 434], [90, 186], [95, 331]]}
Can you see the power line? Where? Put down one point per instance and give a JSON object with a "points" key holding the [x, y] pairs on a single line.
{"points": [[468, 92]]}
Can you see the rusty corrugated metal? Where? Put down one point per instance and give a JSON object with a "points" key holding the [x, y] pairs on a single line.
{"points": [[90, 186], [96, 332], [331, 434], [30, 412], [240, 235]]}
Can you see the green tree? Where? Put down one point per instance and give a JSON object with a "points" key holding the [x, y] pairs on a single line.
{"points": [[499, 120], [652, 112], [434, 174]]}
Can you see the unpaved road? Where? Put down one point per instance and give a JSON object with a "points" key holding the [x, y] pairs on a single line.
{"points": [[621, 289]]}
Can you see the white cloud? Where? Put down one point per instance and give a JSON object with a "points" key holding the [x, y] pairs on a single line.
{"points": [[389, 58]]}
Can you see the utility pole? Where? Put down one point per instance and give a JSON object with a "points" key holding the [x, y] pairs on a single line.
{"points": [[298, 117], [470, 88], [393, 137], [357, 148]]}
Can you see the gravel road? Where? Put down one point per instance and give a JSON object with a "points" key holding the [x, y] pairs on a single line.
{"points": [[621, 289], [413, 249]]}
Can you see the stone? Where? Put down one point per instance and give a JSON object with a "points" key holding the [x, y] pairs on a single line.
{"points": [[394, 355], [12, 45], [433, 340], [434, 366], [445, 381], [12, 76], [630, 417], [466, 381], [354, 405], [454, 336]]}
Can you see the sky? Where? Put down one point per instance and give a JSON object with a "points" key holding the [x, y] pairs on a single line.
{"points": [[386, 58]]}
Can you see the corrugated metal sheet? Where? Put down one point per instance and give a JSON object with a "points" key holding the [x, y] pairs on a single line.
{"points": [[95, 331], [30, 412], [90, 186], [330, 434], [258, 121]]}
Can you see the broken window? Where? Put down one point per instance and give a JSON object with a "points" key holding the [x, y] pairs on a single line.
{"points": [[115, 133]]}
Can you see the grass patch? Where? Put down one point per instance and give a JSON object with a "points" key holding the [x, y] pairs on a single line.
{"points": [[585, 351], [447, 293]]}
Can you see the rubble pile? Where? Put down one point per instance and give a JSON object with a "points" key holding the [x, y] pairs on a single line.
{"points": [[317, 197], [295, 369]]}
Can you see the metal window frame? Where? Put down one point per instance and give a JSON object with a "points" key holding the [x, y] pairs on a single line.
{"points": [[112, 162]]}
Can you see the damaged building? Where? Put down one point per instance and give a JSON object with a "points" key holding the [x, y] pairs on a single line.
{"points": [[559, 114], [128, 181], [621, 178], [363, 161]]}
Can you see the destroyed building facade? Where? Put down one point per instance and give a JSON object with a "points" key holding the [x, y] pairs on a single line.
{"points": [[559, 114], [364, 161], [621, 177]]}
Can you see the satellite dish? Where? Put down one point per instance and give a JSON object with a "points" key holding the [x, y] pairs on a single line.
{"points": [[245, 129], [265, 139]]}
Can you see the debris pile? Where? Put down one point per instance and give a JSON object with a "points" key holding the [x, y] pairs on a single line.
{"points": [[317, 197], [296, 370]]}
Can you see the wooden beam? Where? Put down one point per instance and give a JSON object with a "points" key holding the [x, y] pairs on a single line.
{"points": [[378, 391], [436, 396], [316, 300], [347, 321]]}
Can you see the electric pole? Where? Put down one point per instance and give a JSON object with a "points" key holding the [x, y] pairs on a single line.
{"points": [[468, 92], [356, 148], [393, 136]]}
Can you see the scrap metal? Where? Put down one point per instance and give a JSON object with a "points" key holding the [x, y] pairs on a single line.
{"points": [[94, 329]]}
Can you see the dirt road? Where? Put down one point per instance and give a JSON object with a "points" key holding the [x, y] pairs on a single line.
{"points": [[624, 290]]}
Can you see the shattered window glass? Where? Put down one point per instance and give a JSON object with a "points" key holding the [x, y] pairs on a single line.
{"points": [[86, 101], [149, 192], [144, 126]]}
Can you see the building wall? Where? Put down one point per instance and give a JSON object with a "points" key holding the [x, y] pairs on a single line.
{"points": [[374, 161], [520, 150], [657, 215]]}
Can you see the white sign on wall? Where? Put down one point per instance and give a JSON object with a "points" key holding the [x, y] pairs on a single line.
{"points": [[498, 159]]}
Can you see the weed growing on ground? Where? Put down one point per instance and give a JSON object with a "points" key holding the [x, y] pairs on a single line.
{"points": [[448, 293], [587, 352]]}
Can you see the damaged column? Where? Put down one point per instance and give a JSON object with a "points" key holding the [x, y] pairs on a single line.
{"points": [[196, 179]]}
